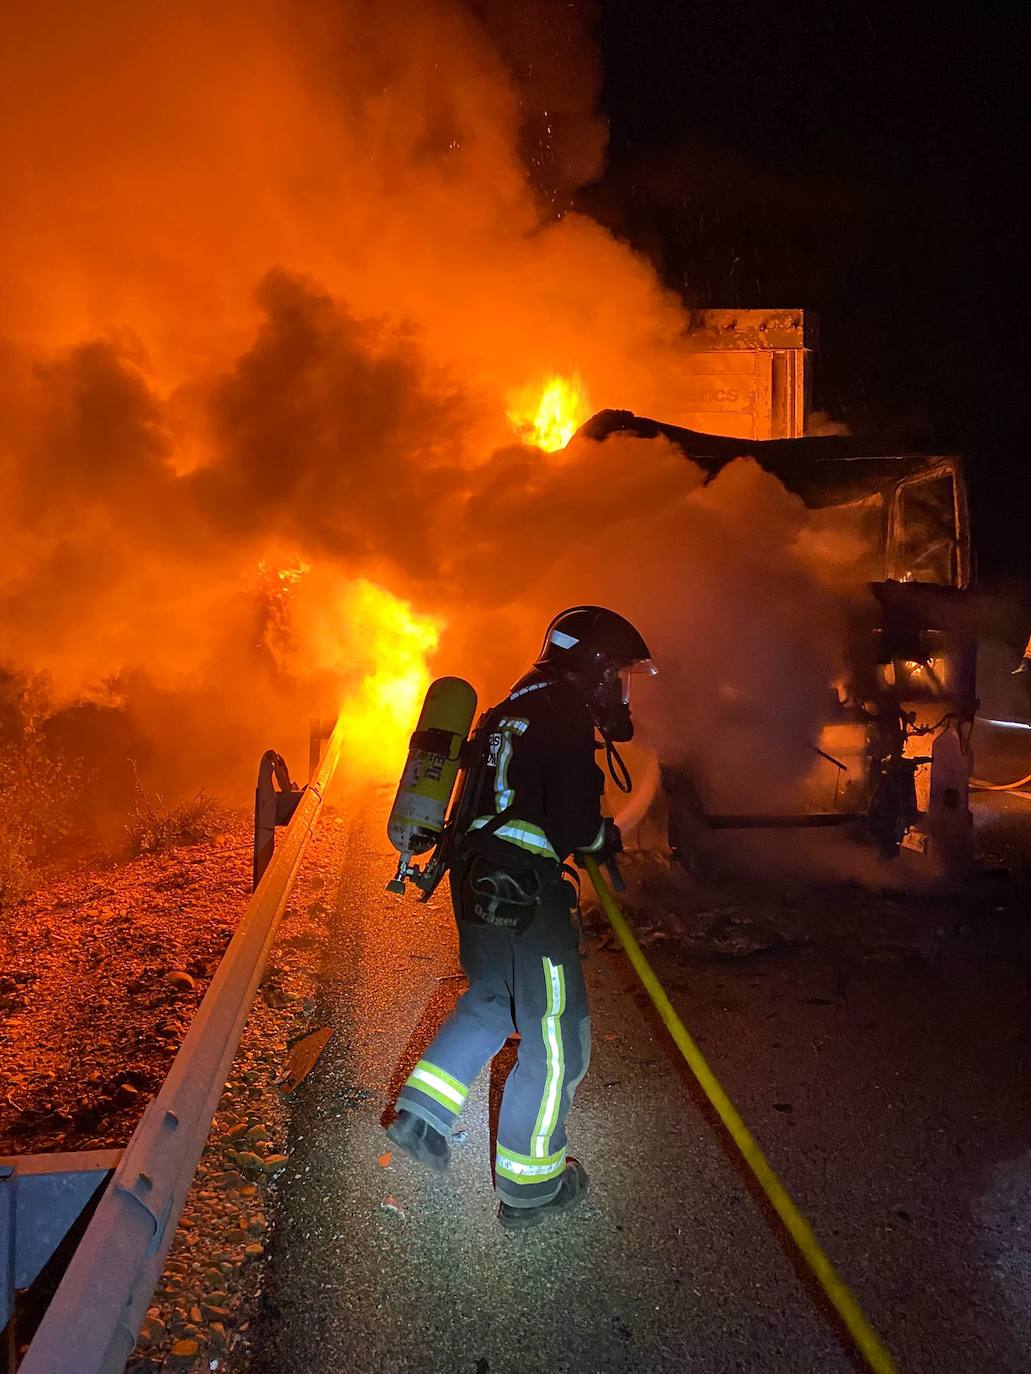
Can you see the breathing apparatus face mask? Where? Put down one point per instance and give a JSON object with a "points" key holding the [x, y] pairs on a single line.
{"points": [[610, 699]]}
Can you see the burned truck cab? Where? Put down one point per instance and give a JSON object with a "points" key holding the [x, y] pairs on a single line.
{"points": [[898, 724], [912, 662], [913, 671]]}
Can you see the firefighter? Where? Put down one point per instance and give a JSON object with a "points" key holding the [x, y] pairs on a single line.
{"points": [[536, 800]]}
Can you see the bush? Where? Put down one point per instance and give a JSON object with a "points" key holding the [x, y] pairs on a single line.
{"points": [[156, 826], [17, 870], [39, 794]]}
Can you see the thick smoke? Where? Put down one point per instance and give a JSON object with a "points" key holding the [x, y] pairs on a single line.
{"points": [[547, 48], [273, 272], [719, 576]]}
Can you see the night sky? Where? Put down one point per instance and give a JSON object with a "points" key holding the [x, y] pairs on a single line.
{"points": [[864, 162]]}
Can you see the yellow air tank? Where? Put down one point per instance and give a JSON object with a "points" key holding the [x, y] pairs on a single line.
{"points": [[431, 769]]}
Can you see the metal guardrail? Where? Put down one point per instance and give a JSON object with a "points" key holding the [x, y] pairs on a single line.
{"points": [[91, 1324]]}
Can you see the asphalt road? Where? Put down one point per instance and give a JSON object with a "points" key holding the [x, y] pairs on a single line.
{"points": [[890, 1096]]}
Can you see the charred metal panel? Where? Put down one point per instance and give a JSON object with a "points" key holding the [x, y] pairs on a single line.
{"points": [[747, 375]]}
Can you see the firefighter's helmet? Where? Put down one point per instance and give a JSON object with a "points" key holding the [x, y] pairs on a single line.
{"points": [[600, 650], [589, 640]]}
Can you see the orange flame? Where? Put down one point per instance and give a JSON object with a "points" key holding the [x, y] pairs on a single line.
{"points": [[374, 643], [394, 643], [549, 418]]}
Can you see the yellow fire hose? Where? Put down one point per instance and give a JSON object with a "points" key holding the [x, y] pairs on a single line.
{"points": [[866, 1339], [982, 786]]}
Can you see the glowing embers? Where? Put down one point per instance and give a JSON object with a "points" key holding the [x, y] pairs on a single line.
{"points": [[548, 416], [923, 674]]}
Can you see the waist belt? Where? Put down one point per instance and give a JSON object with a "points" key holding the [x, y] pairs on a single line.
{"points": [[524, 835]]}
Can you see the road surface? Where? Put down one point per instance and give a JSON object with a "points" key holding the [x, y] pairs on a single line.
{"points": [[892, 1101]]}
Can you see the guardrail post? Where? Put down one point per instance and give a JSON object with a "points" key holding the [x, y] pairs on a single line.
{"points": [[275, 801]]}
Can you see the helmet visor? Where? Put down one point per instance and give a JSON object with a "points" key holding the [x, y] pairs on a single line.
{"points": [[643, 667]]}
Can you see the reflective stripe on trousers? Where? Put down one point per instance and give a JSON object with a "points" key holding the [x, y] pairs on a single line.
{"points": [[553, 1058], [534, 983]]}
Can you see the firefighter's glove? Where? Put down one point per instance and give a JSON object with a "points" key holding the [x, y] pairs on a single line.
{"points": [[1024, 666], [611, 844]]}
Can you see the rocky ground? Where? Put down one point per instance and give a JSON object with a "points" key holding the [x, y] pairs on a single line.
{"points": [[100, 974], [203, 1310]]}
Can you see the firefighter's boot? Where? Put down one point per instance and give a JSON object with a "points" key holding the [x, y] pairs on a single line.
{"points": [[425, 1144], [571, 1192]]}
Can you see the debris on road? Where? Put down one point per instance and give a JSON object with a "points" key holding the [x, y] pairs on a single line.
{"points": [[737, 917], [304, 1055], [736, 934]]}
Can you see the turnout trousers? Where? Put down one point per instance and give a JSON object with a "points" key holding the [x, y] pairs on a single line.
{"points": [[531, 983]]}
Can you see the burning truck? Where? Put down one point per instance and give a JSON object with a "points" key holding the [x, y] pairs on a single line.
{"points": [[896, 731]]}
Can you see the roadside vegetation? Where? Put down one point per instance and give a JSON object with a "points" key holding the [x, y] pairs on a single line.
{"points": [[40, 791], [60, 801], [156, 825]]}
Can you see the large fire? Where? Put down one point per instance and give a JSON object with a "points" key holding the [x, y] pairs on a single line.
{"points": [[285, 292], [339, 195], [549, 416]]}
